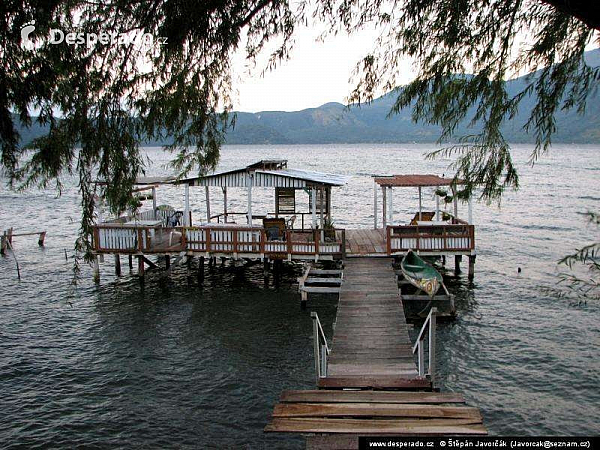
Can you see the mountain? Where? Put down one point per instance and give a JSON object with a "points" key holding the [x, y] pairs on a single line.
{"points": [[336, 123], [368, 123]]}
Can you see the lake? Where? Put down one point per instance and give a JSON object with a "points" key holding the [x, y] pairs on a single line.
{"points": [[173, 364]]}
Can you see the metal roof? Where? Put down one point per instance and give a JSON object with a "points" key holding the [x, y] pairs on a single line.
{"points": [[261, 177], [415, 181], [148, 181]]}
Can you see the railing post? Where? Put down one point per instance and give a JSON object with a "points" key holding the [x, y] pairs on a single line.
{"points": [[421, 355], [316, 346], [432, 326], [344, 242]]}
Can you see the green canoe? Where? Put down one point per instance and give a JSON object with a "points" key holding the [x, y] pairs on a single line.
{"points": [[421, 274]]}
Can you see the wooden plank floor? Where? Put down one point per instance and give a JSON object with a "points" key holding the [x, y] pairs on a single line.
{"points": [[343, 415], [371, 335], [365, 242], [371, 351]]}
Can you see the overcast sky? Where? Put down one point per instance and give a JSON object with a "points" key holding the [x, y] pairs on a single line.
{"points": [[317, 73]]}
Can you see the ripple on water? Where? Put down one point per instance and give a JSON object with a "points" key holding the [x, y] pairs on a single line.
{"points": [[173, 364]]}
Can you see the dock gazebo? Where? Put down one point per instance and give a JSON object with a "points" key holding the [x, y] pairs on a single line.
{"points": [[429, 232], [278, 236]]}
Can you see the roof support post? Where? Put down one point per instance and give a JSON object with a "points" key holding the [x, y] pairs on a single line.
{"points": [[225, 203], [470, 210], [321, 207], [249, 182], [374, 205], [420, 204], [186, 216], [207, 203], [391, 207], [154, 202], [384, 191], [437, 207], [455, 204], [313, 194]]}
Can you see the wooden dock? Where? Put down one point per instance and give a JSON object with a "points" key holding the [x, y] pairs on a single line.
{"points": [[371, 346], [369, 381], [365, 242]]}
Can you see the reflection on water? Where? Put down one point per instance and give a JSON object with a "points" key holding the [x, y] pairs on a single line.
{"points": [[175, 363]]}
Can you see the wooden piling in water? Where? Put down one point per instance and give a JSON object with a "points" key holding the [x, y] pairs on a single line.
{"points": [[457, 260], [141, 266], [117, 265], [201, 270], [472, 266], [96, 269]]}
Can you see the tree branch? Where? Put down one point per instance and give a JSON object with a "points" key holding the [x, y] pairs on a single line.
{"points": [[583, 10]]}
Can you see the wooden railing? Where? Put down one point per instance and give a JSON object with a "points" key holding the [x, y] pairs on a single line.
{"points": [[419, 347], [430, 238], [124, 238], [128, 238], [321, 349]]}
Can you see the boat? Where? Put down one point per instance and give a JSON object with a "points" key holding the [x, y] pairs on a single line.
{"points": [[421, 274]]}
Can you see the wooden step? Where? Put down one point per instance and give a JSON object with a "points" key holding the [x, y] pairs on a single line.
{"points": [[375, 427], [376, 410], [374, 382], [333, 396]]}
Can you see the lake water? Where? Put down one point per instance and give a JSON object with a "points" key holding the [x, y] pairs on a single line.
{"points": [[174, 364]]}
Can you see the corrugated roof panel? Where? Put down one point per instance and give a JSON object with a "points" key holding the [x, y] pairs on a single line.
{"points": [[415, 181], [310, 176]]}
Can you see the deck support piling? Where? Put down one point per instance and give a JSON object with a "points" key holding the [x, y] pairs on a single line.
{"points": [[4, 244], [167, 261], [457, 260], [141, 266], [96, 269], [117, 265], [201, 270], [130, 262], [472, 266]]}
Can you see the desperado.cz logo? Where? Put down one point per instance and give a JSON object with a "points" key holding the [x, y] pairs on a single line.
{"points": [[57, 36]]}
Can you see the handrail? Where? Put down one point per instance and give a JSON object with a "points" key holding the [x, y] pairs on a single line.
{"points": [[429, 325], [320, 346]]}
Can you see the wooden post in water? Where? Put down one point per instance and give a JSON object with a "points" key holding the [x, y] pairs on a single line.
{"points": [[141, 266], [117, 265], [457, 260], [201, 270], [167, 261], [96, 270], [42, 238], [130, 262], [4, 244], [472, 266]]}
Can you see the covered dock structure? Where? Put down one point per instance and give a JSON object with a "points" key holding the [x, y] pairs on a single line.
{"points": [[277, 235]]}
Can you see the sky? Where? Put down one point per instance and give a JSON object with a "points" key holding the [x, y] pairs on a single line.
{"points": [[316, 73]]}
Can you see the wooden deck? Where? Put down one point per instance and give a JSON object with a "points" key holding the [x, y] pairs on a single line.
{"points": [[371, 342], [365, 242], [372, 385], [345, 415]]}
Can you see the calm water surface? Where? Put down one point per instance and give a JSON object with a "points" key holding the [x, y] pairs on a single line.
{"points": [[174, 364]]}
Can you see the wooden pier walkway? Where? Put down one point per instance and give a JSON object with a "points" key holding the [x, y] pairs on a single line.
{"points": [[371, 346], [371, 385]]}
